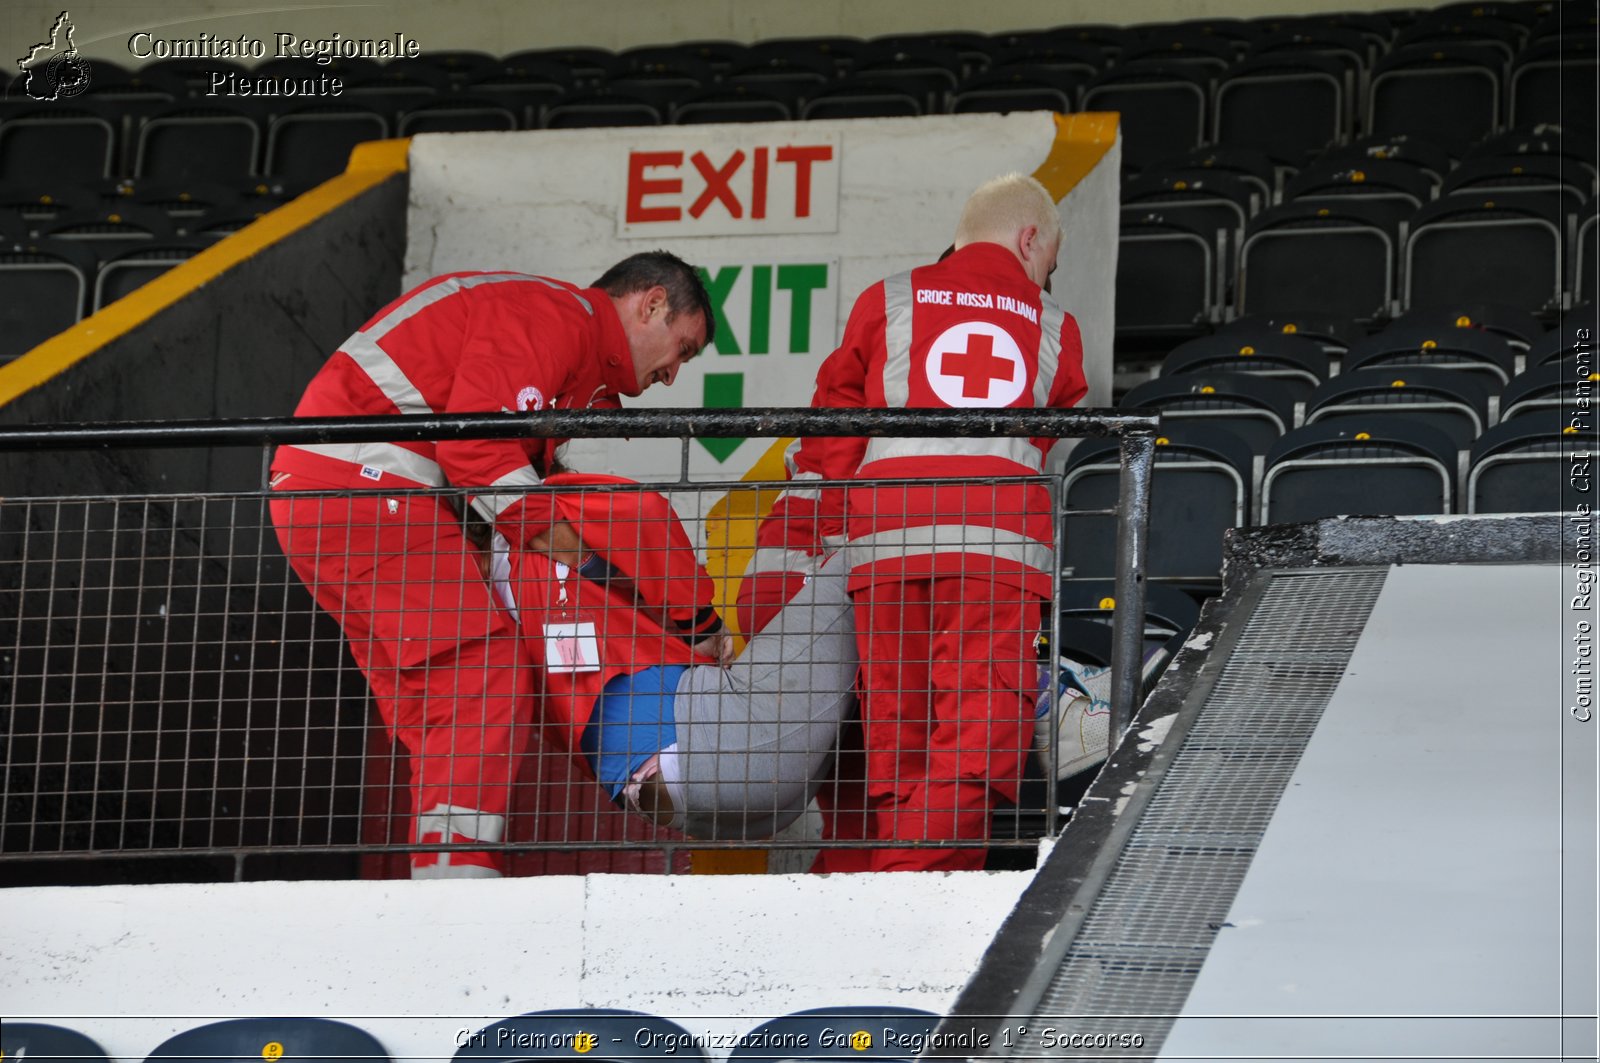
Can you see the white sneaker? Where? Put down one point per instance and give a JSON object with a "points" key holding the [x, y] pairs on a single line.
{"points": [[1075, 717]]}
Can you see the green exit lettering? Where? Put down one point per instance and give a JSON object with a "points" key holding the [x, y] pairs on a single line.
{"points": [[754, 313]]}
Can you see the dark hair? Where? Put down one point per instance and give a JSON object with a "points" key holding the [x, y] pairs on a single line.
{"points": [[685, 291]]}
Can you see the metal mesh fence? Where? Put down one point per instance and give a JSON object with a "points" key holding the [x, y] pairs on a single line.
{"points": [[172, 687], [305, 681]]}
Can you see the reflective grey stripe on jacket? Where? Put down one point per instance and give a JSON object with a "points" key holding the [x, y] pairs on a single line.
{"points": [[802, 494], [949, 539], [777, 559], [383, 371], [387, 376], [1013, 448], [491, 503], [385, 457]]}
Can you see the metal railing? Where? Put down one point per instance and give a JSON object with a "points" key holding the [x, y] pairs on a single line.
{"points": [[171, 690]]}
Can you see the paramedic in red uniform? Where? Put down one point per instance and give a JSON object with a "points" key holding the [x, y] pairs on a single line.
{"points": [[450, 675], [950, 578]]}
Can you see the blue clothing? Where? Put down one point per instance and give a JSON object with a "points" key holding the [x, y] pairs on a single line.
{"points": [[632, 722]]}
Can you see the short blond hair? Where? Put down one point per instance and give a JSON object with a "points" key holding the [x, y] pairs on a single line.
{"points": [[1003, 206]]}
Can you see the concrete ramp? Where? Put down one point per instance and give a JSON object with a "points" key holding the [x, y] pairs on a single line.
{"points": [[1356, 821]]}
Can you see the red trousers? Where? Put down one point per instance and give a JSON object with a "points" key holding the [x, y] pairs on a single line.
{"points": [[948, 674], [447, 667]]}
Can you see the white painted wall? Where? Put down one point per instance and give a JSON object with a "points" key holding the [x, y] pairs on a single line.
{"points": [[500, 26], [886, 199], [414, 963]]}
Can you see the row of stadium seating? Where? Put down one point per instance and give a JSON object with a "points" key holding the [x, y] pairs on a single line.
{"points": [[1462, 409], [1366, 231], [1286, 87], [68, 251], [601, 1035]]}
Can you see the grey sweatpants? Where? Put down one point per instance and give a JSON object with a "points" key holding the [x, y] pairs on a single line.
{"points": [[755, 738]]}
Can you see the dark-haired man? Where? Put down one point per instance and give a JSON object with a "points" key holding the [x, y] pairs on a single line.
{"points": [[447, 668]]}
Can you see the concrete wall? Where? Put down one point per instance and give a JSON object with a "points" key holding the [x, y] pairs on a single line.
{"points": [[498, 26], [418, 963]]}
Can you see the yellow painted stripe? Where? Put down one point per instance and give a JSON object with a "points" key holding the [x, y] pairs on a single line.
{"points": [[370, 164], [1082, 140], [727, 861], [731, 528]]}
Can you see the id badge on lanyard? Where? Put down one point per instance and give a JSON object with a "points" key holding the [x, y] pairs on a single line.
{"points": [[570, 642]]}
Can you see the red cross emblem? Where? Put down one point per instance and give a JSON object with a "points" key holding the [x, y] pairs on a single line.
{"points": [[976, 366]]}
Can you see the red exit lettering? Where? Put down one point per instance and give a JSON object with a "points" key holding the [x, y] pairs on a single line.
{"points": [[655, 179]]}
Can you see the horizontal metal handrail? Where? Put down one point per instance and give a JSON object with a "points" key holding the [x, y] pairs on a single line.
{"points": [[583, 424]]}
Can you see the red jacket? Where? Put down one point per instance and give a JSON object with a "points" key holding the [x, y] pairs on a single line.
{"points": [[468, 343], [790, 541], [660, 592], [971, 331]]}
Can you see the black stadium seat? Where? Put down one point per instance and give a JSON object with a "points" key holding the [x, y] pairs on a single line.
{"points": [[587, 67], [1449, 92], [732, 103], [1338, 255], [1478, 249], [1299, 361], [1018, 87], [1457, 404], [1540, 462], [47, 289], [1551, 386], [1201, 486], [111, 228], [791, 78], [1166, 282], [1586, 256], [247, 1040], [1542, 182], [1163, 108], [48, 1043], [1516, 325], [1359, 466], [597, 110], [1290, 106], [1573, 340], [123, 272], [1208, 201], [525, 89], [860, 97], [1254, 168], [1199, 52], [65, 142], [1553, 82], [1256, 408], [459, 114], [1418, 152], [313, 142], [1334, 334], [1483, 354], [200, 141], [1393, 189], [1077, 62]]}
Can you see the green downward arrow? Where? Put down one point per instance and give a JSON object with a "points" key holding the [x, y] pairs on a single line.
{"points": [[723, 391]]}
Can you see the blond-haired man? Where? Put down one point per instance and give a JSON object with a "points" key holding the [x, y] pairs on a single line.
{"points": [[951, 566]]}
